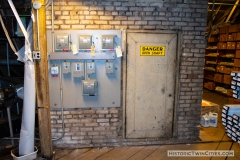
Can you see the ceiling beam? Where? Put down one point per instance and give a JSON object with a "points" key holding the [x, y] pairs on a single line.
{"points": [[233, 9]]}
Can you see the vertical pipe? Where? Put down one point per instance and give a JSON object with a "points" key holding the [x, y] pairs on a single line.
{"points": [[17, 108], [10, 123], [8, 60]]}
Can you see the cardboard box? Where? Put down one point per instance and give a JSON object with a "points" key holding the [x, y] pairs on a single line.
{"points": [[227, 70], [237, 54], [238, 36], [237, 62], [238, 27], [212, 39], [227, 79], [232, 37], [218, 78], [238, 45], [223, 29], [231, 45], [222, 45], [223, 37], [232, 28]]}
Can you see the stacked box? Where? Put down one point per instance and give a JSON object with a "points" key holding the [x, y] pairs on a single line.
{"points": [[235, 84], [231, 121]]}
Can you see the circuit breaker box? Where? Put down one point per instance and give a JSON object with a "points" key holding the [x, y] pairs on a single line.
{"points": [[90, 87], [91, 76], [85, 42], [90, 67], [78, 70], [66, 69], [54, 71], [108, 41], [109, 67], [62, 42]]}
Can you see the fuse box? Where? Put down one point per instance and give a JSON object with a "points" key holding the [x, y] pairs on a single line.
{"points": [[85, 42], [54, 71], [90, 87], [108, 42], [78, 70], [109, 67], [90, 67], [66, 69], [62, 42]]}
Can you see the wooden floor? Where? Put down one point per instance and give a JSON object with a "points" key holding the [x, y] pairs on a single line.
{"points": [[212, 139], [146, 152]]}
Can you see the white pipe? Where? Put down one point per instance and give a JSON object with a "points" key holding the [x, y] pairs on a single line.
{"points": [[26, 145], [38, 32], [61, 100], [53, 40]]}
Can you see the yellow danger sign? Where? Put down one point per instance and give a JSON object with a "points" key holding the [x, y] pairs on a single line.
{"points": [[152, 50]]}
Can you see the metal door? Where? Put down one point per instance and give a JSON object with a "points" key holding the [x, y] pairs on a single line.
{"points": [[150, 86]]}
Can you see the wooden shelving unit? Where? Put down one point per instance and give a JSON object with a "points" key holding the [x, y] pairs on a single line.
{"points": [[222, 56]]}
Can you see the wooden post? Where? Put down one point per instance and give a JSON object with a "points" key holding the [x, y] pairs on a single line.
{"points": [[42, 89]]}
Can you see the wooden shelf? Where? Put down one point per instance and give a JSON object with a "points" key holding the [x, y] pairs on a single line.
{"points": [[209, 78], [209, 70]]}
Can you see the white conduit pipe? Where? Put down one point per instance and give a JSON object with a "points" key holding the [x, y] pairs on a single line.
{"points": [[26, 145]]}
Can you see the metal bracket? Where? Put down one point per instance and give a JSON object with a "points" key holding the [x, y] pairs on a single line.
{"points": [[36, 55]]}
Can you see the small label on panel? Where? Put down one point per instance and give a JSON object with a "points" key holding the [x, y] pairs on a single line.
{"points": [[119, 51], [92, 51], [152, 50]]}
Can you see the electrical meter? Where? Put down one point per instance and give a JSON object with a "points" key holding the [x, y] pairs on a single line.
{"points": [[85, 42], [108, 42], [90, 87], [54, 71], [109, 67], [62, 42], [66, 68], [78, 70], [90, 67]]}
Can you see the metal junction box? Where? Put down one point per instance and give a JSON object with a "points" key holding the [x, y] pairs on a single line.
{"points": [[78, 70], [85, 42], [109, 67], [90, 67], [108, 41], [62, 42], [89, 87], [66, 69]]}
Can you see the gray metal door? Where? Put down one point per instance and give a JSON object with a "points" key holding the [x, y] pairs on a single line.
{"points": [[150, 86]]}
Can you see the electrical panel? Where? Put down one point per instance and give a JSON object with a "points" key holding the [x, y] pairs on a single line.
{"points": [[109, 67], [54, 71], [78, 70], [90, 67], [85, 42], [108, 41], [66, 69], [62, 42], [90, 87]]}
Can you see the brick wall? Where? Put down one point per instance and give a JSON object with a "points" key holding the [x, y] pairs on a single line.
{"points": [[104, 126]]}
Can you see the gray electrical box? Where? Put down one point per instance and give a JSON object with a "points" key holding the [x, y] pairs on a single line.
{"points": [[85, 42], [109, 67], [108, 41], [78, 70], [66, 69], [62, 42], [90, 87], [90, 67]]}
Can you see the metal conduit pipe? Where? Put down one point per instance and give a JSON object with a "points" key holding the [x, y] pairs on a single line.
{"points": [[11, 62], [226, 4]]}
